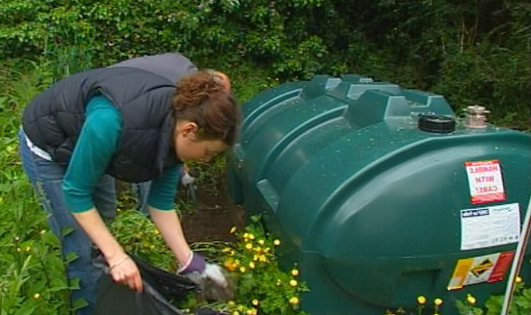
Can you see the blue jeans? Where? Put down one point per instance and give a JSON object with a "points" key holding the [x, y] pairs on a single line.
{"points": [[141, 191], [47, 177]]}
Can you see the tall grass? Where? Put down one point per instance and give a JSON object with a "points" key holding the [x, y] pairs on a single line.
{"points": [[32, 278], [31, 273]]}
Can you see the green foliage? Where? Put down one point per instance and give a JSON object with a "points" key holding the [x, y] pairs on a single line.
{"points": [[261, 285], [32, 278], [520, 304], [472, 52]]}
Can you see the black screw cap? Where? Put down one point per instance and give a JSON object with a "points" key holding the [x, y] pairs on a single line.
{"points": [[436, 123]]}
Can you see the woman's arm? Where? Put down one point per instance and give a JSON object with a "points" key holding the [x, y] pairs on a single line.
{"points": [[170, 228], [161, 205], [92, 154]]}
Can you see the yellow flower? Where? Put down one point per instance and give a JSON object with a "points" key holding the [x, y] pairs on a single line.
{"points": [[261, 242], [421, 299], [471, 299], [242, 269], [294, 300], [28, 248], [230, 265], [251, 236], [518, 280], [257, 249], [252, 311], [438, 301], [231, 303], [156, 232], [276, 242], [233, 230], [295, 272], [255, 257], [37, 296], [226, 249], [255, 302], [249, 246], [232, 253], [262, 258], [251, 264], [246, 235], [236, 313], [267, 249], [293, 283], [43, 231]]}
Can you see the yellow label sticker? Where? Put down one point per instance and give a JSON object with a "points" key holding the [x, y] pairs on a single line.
{"points": [[487, 268]]}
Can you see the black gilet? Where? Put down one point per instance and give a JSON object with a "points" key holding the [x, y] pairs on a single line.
{"points": [[53, 120]]}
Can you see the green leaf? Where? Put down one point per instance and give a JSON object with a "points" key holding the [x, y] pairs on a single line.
{"points": [[255, 218], [70, 257], [54, 264], [58, 284], [74, 284], [50, 239], [67, 230], [27, 307], [78, 304]]}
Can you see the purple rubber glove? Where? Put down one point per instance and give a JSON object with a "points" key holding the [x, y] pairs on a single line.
{"points": [[196, 263], [197, 269]]}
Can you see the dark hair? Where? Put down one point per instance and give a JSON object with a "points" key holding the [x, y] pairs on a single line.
{"points": [[202, 99]]}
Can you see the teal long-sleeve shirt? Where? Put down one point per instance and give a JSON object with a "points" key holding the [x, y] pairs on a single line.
{"points": [[95, 147]]}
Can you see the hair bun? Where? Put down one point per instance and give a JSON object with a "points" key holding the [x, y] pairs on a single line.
{"points": [[195, 88]]}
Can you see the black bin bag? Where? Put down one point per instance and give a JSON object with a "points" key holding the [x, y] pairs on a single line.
{"points": [[159, 287]]}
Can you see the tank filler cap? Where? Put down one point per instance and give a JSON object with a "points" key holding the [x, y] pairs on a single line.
{"points": [[475, 116], [436, 123]]}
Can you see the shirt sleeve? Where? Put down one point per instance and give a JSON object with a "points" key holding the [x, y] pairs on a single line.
{"points": [[163, 189], [92, 154]]}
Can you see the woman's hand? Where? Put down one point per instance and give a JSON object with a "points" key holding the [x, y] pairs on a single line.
{"points": [[124, 270]]}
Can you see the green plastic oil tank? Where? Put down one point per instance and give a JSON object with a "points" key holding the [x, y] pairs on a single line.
{"points": [[382, 194]]}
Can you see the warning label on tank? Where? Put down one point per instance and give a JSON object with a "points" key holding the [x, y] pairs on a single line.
{"points": [[490, 226], [487, 268], [485, 181]]}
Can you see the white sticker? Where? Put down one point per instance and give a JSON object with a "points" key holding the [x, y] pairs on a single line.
{"points": [[490, 226], [485, 181]]}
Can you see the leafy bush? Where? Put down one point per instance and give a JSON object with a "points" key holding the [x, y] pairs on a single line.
{"points": [[471, 52]]}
